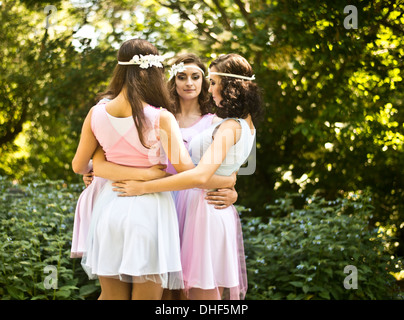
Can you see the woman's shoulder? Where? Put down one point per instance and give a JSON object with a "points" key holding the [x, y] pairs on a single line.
{"points": [[100, 105], [230, 123], [229, 128], [153, 113], [166, 115], [166, 118], [97, 110]]}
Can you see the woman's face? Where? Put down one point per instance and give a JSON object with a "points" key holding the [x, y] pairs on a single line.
{"points": [[215, 87], [188, 83]]}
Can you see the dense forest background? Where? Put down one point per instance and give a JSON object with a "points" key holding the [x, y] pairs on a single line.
{"points": [[331, 79]]}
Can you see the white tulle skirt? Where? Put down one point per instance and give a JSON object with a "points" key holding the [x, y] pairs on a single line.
{"points": [[134, 239]]}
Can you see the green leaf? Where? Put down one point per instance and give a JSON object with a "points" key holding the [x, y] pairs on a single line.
{"points": [[325, 295], [62, 294], [15, 293], [297, 283], [88, 289]]}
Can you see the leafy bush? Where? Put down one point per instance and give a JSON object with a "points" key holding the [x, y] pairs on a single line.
{"points": [[35, 232], [298, 253], [302, 250]]}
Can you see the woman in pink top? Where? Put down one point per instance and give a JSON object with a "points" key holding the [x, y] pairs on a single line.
{"points": [[85, 203], [133, 243]]}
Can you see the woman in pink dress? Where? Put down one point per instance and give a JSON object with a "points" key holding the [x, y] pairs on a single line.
{"points": [[85, 203], [188, 87], [212, 253]]}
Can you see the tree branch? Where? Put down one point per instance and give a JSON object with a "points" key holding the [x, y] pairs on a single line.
{"points": [[224, 18], [246, 15], [184, 15]]}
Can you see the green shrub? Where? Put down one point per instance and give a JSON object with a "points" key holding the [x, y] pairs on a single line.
{"points": [[298, 253], [301, 251], [35, 232]]}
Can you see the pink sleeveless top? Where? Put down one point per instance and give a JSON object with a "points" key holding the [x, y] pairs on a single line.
{"points": [[125, 148]]}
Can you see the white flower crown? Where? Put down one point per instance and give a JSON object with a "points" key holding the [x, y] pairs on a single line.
{"points": [[144, 62], [180, 68]]}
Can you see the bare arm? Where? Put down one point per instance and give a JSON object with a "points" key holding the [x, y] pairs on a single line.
{"points": [[113, 171], [217, 181], [222, 182], [171, 139], [86, 148], [226, 136]]}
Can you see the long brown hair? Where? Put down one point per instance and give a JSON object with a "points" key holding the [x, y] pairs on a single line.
{"points": [[146, 85], [203, 98]]}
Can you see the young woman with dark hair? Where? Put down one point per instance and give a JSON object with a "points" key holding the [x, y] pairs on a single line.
{"points": [[240, 97]]}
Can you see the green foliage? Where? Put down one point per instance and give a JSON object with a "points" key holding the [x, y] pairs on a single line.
{"points": [[35, 231], [299, 253], [302, 250]]}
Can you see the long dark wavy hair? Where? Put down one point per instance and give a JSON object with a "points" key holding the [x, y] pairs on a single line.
{"points": [[146, 85], [203, 98], [239, 97]]}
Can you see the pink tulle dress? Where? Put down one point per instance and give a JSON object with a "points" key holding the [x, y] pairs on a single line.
{"points": [[134, 239], [83, 213], [82, 216], [212, 250]]}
